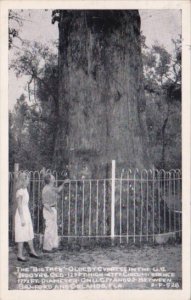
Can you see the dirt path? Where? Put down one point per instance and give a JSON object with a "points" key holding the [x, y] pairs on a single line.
{"points": [[91, 269]]}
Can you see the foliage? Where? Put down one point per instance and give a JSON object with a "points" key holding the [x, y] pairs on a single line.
{"points": [[162, 84], [33, 129], [13, 32], [15, 19]]}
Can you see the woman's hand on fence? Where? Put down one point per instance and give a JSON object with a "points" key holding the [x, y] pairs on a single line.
{"points": [[60, 188], [66, 181]]}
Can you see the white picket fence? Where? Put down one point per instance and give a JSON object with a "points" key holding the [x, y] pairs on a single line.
{"points": [[139, 206]]}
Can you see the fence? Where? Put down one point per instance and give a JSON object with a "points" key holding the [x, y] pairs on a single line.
{"points": [[139, 206]]}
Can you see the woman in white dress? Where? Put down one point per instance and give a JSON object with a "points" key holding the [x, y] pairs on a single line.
{"points": [[23, 222]]}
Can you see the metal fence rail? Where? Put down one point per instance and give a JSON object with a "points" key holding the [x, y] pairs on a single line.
{"points": [[139, 206]]}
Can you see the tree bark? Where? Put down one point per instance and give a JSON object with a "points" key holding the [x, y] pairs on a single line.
{"points": [[101, 98]]}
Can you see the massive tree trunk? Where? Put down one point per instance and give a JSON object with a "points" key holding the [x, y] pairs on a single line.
{"points": [[101, 99]]}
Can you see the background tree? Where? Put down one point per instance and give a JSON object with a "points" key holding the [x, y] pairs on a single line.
{"points": [[38, 113], [162, 84], [15, 20]]}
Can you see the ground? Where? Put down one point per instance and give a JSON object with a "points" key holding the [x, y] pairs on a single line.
{"points": [[150, 260]]}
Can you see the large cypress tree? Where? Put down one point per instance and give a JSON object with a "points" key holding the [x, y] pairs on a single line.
{"points": [[101, 99]]}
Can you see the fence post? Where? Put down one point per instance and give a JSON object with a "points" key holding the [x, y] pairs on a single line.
{"points": [[16, 170], [113, 201]]}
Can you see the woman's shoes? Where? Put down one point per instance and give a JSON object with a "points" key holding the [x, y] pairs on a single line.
{"points": [[21, 259], [30, 254], [34, 255]]}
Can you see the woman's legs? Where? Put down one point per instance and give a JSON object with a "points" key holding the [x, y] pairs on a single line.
{"points": [[31, 246], [49, 229], [20, 250], [55, 231]]}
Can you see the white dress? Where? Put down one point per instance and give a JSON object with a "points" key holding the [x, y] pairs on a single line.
{"points": [[23, 233]]}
